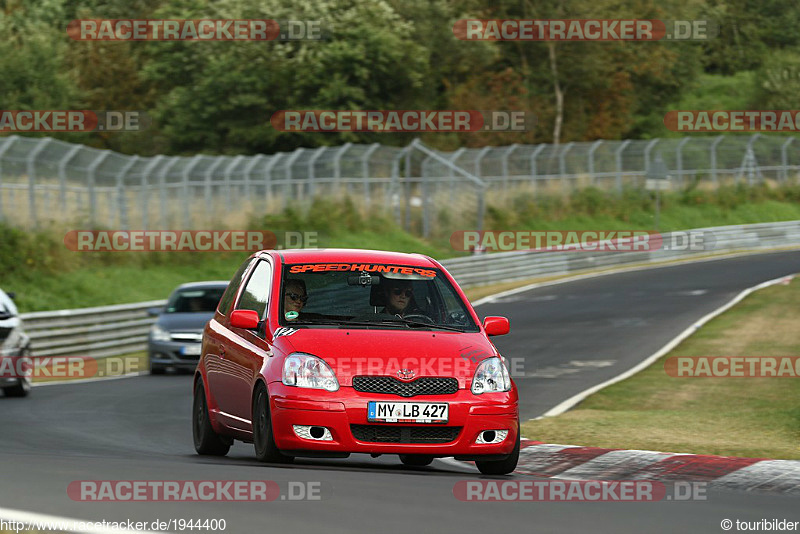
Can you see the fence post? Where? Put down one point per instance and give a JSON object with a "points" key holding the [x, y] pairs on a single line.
{"points": [[679, 157], [750, 152], [90, 171], [145, 194], [713, 149], [394, 186], [62, 177], [562, 165], [287, 187], [121, 197], [407, 189], [453, 158], [162, 191], [248, 171], [785, 160], [312, 177], [618, 160], [647, 150], [3, 149], [32, 179], [534, 169], [185, 191], [268, 177], [337, 166], [228, 172], [207, 187], [590, 156], [365, 171], [504, 164]]}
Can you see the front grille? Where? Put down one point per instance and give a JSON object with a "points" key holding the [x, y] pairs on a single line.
{"points": [[392, 386], [405, 434]]}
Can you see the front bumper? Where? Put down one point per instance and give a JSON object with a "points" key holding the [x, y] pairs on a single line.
{"points": [[172, 354], [337, 411], [6, 382]]}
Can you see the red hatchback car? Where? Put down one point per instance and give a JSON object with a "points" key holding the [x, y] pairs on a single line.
{"points": [[323, 353]]}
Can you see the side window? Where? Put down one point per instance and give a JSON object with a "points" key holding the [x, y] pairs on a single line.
{"points": [[227, 298], [256, 293]]}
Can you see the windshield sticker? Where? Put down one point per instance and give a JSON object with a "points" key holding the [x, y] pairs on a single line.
{"points": [[291, 315], [372, 268]]}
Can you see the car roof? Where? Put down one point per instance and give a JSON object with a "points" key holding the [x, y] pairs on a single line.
{"points": [[200, 285], [350, 255]]}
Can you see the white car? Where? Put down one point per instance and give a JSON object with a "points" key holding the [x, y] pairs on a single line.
{"points": [[14, 345]]}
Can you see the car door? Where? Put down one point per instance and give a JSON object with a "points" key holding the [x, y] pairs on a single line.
{"points": [[245, 357], [217, 340]]}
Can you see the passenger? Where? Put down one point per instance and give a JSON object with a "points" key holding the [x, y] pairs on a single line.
{"points": [[294, 298]]}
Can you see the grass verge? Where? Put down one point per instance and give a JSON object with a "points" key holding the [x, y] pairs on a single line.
{"points": [[750, 417]]}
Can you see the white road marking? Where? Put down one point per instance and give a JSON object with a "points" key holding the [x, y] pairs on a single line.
{"points": [[575, 399]]}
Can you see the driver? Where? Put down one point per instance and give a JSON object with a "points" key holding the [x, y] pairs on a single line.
{"points": [[399, 298]]}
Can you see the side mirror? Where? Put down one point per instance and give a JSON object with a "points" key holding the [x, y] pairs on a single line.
{"points": [[12, 295], [244, 319], [496, 326], [155, 311]]}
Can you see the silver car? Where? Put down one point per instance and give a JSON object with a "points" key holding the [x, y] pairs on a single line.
{"points": [[15, 349], [174, 341]]}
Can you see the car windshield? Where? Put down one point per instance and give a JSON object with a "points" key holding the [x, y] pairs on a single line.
{"points": [[371, 296], [202, 300]]}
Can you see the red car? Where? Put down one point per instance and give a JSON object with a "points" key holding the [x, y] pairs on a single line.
{"points": [[323, 353]]}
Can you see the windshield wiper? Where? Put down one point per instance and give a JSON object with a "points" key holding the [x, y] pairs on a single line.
{"points": [[398, 322], [430, 325]]}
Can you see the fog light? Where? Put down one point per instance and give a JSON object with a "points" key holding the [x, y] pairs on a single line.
{"points": [[316, 433], [488, 437]]}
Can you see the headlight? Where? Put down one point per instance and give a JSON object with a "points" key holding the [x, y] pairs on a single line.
{"points": [[159, 334], [491, 376], [307, 371]]}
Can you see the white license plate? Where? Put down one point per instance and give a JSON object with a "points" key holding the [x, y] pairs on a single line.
{"points": [[408, 412], [191, 350]]}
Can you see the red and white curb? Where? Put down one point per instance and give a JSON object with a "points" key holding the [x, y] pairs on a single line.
{"points": [[594, 463]]}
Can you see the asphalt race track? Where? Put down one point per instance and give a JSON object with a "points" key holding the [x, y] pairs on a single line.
{"points": [[571, 336]]}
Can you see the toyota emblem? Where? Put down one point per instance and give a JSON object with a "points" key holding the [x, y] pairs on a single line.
{"points": [[406, 374]]}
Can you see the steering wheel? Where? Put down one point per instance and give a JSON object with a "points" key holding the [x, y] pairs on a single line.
{"points": [[419, 317]]}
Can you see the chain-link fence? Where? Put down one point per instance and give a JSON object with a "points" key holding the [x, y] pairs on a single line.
{"points": [[46, 181]]}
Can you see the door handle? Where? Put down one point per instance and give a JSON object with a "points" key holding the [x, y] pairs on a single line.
{"points": [[221, 351]]}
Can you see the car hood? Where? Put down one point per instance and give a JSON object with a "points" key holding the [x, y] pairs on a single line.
{"points": [[353, 352], [184, 322]]}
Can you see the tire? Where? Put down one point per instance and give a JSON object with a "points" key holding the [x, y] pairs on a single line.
{"points": [[157, 370], [500, 467], [416, 460], [206, 441], [23, 386], [263, 440]]}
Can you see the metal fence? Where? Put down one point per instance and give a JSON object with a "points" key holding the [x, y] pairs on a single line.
{"points": [[123, 329], [45, 181]]}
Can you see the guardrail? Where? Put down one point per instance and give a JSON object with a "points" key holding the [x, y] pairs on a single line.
{"points": [[123, 329]]}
